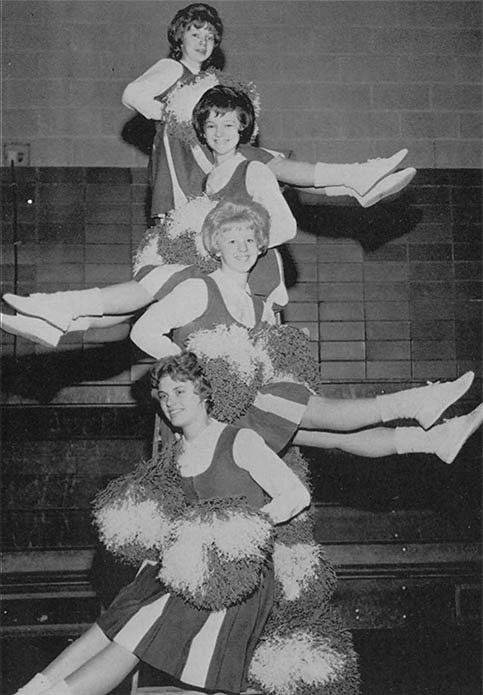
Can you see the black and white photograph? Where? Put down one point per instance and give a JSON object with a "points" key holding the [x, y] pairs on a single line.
{"points": [[241, 347]]}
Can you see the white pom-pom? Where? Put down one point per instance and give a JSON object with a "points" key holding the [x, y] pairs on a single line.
{"points": [[282, 664]]}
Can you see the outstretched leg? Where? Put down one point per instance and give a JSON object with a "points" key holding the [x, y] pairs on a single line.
{"points": [[358, 177], [424, 404], [445, 441]]}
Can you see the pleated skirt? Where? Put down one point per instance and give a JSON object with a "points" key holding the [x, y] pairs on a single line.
{"points": [[276, 413], [210, 650]]}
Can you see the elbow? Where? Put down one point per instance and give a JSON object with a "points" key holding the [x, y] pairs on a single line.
{"points": [[304, 500], [127, 97]]}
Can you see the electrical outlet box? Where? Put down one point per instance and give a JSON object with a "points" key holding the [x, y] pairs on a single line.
{"points": [[17, 153]]}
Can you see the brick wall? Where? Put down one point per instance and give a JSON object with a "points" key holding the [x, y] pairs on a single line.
{"points": [[339, 81], [391, 297]]}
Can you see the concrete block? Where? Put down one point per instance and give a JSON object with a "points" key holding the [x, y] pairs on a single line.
{"points": [[467, 270], [435, 370], [433, 350], [343, 371], [425, 68], [371, 69], [432, 270], [458, 153], [96, 274], [340, 272], [386, 311], [340, 291], [387, 350], [401, 96], [341, 330], [344, 250], [426, 310], [387, 330], [47, 151], [112, 254], [429, 125], [344, 351], [456, 97], [389, 370], [468, 69], [341, 311], [385, 271], [389, 291], [19, 124], [457, 42], [404, 41]]}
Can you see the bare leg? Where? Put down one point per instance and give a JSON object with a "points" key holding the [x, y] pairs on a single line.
{"points": [[88, 645], [103, 672], [378, 441], [340, 414], [359, 177], [124, 298]]}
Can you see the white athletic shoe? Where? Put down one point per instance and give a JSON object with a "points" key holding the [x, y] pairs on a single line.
{"points": [[389, 185], [365, 175], [454, 433], [53, 308], [434, 399], [31, 328]]}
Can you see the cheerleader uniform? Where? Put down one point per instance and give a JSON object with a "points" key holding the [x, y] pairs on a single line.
{"points": [[266, 278], [207, 649], [177, 170], [278, 407]]}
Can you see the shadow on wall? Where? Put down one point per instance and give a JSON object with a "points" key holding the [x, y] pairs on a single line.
{"points": [[40, 377]]}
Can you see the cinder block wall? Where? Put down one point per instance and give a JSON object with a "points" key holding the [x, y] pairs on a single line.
{"points": [[339, 81]]}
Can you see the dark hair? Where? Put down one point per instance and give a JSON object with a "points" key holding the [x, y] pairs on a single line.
{"points": [[182, 367], [198, 14], [221, 100], [229, 212]]}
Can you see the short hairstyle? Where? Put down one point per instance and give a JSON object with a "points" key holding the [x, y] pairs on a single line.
{"points": [[197, 14], [221, 100], [182, 367], [230, 212]]}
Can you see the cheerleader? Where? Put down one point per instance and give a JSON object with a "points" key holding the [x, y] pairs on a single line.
{"points": [[283, 412], [198, 619], [178, 168]]}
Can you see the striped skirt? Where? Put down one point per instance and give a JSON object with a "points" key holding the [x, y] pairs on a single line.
{"points": [[276, 413], [210, 650]]}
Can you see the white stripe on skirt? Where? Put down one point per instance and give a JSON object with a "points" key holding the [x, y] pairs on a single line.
{"points": [[288, 410], [202, 649], [135, 629]]}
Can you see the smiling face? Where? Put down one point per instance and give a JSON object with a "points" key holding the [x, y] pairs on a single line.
{"points": [[222, 134], [237, 247], [197, 45], [180, 403]]}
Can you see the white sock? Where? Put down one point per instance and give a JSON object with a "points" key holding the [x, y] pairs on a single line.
{"points": [[37, 685]]}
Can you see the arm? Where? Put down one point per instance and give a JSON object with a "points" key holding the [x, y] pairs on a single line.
{"points": [[140, 94], [263, 187], [181, 306], [289, 495]]}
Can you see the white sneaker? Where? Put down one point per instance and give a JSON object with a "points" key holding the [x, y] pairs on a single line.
{"points": [[389, 185], [455, 433], [434, 399], [364, 176], [30, 328], [51, 307]]}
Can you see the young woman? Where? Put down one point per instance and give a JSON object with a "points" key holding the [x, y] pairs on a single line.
{"points": [[149, 621], [283, 411], [178, 169], [228, 117]]}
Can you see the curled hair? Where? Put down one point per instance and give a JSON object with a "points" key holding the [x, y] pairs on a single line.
{"points": [[232, 212], [221, 100], [182, 367], [197, 14]]}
